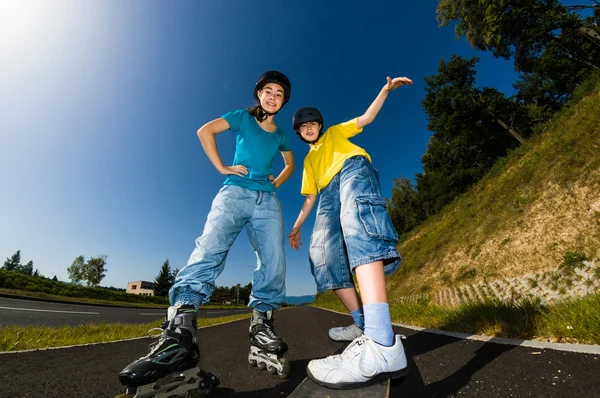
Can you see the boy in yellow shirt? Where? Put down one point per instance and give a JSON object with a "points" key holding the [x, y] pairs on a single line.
{"points": [[353, 233]]}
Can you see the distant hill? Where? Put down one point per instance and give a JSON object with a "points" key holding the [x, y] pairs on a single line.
{"points": [[299, 300]]}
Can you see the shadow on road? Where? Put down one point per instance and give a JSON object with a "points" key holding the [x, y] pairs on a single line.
{"points": [[281, 389], [455, 369]]}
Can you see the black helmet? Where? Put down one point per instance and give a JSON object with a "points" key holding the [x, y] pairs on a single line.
{"points": [[307, 114], [273, 76]]}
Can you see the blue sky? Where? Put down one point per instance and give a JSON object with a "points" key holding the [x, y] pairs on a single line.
{"points": [[101, 100]]}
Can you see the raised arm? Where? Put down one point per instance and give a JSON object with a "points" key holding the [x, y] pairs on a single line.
{"points": [[375, 107], [206, 134], [294, 236]]}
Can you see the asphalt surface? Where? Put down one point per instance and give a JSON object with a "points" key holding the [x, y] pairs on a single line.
{"points": [[439, 366], [27, 312]]}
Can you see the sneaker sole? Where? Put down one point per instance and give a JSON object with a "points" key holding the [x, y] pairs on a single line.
{"points": [[348, 386]]}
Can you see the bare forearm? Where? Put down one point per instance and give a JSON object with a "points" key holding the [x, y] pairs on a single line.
{"points": [[372, 111], [305, 211], [284, 175]]}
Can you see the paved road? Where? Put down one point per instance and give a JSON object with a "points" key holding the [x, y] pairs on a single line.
{"points": [[29, 312], [440, 366]]}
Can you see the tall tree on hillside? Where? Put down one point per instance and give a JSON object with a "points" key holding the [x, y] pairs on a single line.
{"points": [[173, 276], [13, 263], [405, 207], [471, 129], [164, 280], [75, 270], [26, 269], [94, 270], [549, 42]]}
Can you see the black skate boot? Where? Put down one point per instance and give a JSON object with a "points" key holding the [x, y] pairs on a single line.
{"points": [[176, 350], [266, 348]]}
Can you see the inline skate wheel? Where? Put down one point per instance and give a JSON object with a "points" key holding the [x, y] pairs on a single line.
{"points": [[194, 394], [287, 369], [261, 365]]}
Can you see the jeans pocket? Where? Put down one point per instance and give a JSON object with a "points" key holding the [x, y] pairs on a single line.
{"points": [[375, 218]]}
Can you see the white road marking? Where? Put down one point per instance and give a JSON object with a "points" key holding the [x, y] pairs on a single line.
{"points": [[62, 312]]}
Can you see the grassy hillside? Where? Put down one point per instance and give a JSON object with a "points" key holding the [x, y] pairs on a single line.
{"points": [[534, 206]]}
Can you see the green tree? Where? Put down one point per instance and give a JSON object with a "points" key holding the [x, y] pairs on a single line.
{"points": [[94, 270], [471, 128], [245, 294], [220, 294], [405, 207], [164, 280], [552, 46], [173, 276], [26, 269], [75, 271], [13, 263]]}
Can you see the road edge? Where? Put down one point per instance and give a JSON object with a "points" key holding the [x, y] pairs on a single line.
{"points": [[579, 348]]}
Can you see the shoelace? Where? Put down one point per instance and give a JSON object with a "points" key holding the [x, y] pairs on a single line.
{"points": [[156, 344], [353, 350]]}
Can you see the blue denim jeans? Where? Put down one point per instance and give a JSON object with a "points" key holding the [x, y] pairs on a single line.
{"points": [[232, 209], [352, 227]]}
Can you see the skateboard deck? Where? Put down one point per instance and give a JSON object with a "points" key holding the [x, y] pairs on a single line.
{"points": [[310, 389]]}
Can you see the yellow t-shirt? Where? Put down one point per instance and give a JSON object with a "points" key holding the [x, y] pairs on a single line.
{"points": [[326, 158]]}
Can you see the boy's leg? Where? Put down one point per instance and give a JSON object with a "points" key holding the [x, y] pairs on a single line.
{"points": [[378, 325], [376, 355], [349, 297], [371, 242], [329, 261]]}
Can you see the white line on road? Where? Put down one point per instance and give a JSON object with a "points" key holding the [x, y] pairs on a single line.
{"points": [[62, 312]]}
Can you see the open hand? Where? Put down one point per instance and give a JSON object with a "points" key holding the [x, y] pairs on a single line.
{"points": [[294, 237], [396, 82]]}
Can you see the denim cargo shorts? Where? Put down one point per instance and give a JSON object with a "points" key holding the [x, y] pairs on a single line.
{"points": [[352, 227]]}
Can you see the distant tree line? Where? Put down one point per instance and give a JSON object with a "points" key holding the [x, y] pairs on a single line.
{"points": [[13, 263], [91, 272], [554, 49], [224, 295]]}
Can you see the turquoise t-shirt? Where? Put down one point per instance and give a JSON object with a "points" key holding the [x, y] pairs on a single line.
{"points": [[255, 148]]}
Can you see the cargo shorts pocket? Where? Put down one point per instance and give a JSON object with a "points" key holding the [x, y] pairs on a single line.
{"points": [[375, 218], [316, 254]]}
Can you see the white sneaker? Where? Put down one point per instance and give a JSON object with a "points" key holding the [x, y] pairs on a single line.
{"points": [[362, 363], [345, 333]]}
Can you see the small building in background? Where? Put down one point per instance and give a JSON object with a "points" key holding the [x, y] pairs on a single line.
{"points": [[142, 288]]}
